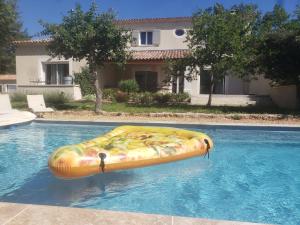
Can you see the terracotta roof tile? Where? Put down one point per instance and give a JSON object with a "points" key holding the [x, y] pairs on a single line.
{"points": [[154, 20], [28, 42], [159, 54], [8, 77]]}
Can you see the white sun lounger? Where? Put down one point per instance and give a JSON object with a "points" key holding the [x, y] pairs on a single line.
{"points": [[5, 106], [10, 116], [36, 103]]}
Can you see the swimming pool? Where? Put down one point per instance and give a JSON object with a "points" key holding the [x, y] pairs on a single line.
{"points": [[252, 175]]}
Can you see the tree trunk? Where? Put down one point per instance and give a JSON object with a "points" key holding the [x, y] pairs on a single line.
{"points": [[211, 90], [98, 88], [298, 94]]}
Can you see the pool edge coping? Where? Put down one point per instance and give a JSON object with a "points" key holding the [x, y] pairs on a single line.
{"points": [[16, 124], [183, 124], [18, 213]]}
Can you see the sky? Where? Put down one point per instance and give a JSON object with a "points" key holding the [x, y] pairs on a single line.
{"points": [[31, 11]]}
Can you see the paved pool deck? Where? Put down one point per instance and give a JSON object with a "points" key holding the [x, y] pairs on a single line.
{"points": [[22, 214], [15, 117]]}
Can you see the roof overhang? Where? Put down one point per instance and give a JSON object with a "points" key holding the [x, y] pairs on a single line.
{"points": [[123, 22], [8, 77], [157, 55]]}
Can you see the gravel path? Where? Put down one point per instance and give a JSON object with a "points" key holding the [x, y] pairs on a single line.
{"points": [[175, 117]]}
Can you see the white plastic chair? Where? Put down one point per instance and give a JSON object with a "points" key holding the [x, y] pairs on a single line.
{"points": [[37, 104]]}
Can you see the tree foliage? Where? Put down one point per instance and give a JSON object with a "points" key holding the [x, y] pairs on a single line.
{"points": [[220, 40], [92, 36], [85, 81], [10, 30], [279, 48], [274, 21], [280, 58]]}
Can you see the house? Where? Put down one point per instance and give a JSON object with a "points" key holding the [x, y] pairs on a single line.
{"points": [[155, 40], [7, 83]]}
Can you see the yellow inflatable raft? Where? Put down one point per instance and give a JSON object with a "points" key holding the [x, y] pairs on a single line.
{"points": [[128, 147]]}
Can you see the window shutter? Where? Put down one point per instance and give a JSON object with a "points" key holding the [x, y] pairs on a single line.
{"points": [[156, 37], [135, 38]]}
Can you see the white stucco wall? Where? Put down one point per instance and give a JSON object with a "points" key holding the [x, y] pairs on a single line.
{"points": [[168, 39], [30, 64]]}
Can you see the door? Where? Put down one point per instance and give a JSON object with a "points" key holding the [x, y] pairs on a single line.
{"points": [[205, 84], [147, 80]]}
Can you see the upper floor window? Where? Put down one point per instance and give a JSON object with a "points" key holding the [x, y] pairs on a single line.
{"points": [[146, 38], [179, 32]]}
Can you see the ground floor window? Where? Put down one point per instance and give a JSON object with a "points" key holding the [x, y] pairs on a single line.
{"points": [[8, 88], [11, 88], [205, 84], [55, 73], [147, 80]]}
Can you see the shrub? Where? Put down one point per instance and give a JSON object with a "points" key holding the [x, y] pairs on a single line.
{"points": [[121, 97], [128, 86], [236, 117], [89, 97], [146, 98], [135, 97], [181, 97], [18, 97], [85, 80], [53, 99], [109, 94], [162, 98]]}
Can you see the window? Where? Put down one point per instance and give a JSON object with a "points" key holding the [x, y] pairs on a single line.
{"points": [[11, 88], [146, 38], [205, 84], [147, 80], [55, 73], [179, 32]]}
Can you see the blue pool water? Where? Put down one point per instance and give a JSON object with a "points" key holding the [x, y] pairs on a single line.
{"points": [[252, 175]]}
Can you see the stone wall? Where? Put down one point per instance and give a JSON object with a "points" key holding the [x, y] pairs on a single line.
{"points": [[285, 96], [72, 91], [231, 100]]}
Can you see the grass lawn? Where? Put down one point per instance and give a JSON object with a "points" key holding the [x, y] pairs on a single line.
{"points": [[133, 108]]}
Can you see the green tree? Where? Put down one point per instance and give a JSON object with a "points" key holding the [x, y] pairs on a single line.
{"points": [[274, 21], [10, 30], [92, 36], [279, 57], [220, 39], [278, 49]]}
